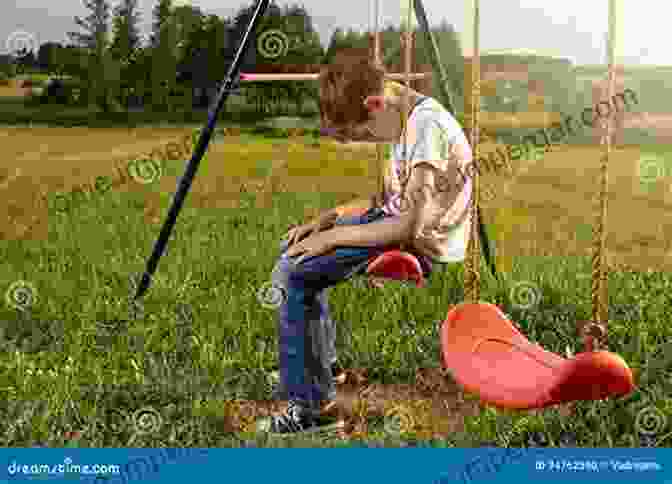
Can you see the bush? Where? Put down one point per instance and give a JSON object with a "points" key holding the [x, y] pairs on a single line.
{"points": [[8, 69]]}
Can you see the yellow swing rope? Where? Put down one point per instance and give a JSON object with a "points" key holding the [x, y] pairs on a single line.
{"points": [[472, 276], [380, 149], [599, 289], [407, 43]]}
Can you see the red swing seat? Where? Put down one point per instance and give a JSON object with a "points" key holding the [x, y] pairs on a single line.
{"points": [[488, 356], [392, 264], [397, 265]]}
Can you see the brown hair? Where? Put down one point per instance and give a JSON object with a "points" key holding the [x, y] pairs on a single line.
{"points": [[345, 83]]}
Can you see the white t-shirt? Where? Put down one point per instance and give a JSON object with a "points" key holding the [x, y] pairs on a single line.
{"points": [[435, 137]]}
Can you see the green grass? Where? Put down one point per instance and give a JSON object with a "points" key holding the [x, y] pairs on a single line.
{"points": [[79, 358]]}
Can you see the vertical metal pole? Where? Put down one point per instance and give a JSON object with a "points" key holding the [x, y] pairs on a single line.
{"points": [[471, 111]]}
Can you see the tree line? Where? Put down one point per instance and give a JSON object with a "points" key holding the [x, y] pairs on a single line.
{"points": [[109, 64]]}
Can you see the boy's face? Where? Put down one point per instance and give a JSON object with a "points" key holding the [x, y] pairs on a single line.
{"points": [[385, 125]]}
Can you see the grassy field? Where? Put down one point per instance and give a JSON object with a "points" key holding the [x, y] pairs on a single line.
{"points": [[81, 367]]}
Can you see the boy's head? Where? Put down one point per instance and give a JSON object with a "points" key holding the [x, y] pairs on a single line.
{"points": [[356, 102]]}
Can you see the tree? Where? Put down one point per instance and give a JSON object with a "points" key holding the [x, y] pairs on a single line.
{"points": [[310, 52], [47, 56], [94, 40], [302, 51], [189, 24], [126, 31], [161, 14], [334, 42], [163, 44], [239, 25], [126, 44], [351, 39], [73, 61], [7, 66], [25, 59], [218, 39], [304, 41], [189, 20]]}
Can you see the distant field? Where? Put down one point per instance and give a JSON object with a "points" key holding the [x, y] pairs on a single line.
{"points": [[248, 190], [553, 191]]}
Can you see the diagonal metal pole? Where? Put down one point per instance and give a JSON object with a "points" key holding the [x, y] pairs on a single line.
{"points": [[440, 77], [200, 149]]}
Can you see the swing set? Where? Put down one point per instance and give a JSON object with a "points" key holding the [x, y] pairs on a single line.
{"points": [[481, 348]]}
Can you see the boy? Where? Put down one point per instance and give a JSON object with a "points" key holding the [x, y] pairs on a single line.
{"points": [[424, 210]]}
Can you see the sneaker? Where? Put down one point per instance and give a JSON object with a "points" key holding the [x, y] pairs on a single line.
{"points": [[302, 418]]}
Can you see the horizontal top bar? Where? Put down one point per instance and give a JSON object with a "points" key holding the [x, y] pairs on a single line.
{"points": [[246, 77]]}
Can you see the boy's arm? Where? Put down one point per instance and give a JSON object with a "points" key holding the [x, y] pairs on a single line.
{"points": [[435, 170], [353, 207], [393, 230], [357, 206]]}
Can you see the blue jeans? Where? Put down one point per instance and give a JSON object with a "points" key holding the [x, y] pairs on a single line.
{"points": [[307, 334]]}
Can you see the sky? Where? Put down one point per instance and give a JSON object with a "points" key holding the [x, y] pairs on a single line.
{"points": [[573, 29]]}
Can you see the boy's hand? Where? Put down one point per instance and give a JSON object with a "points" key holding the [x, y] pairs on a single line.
{"points": [[296, 234], [316, 244]]}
